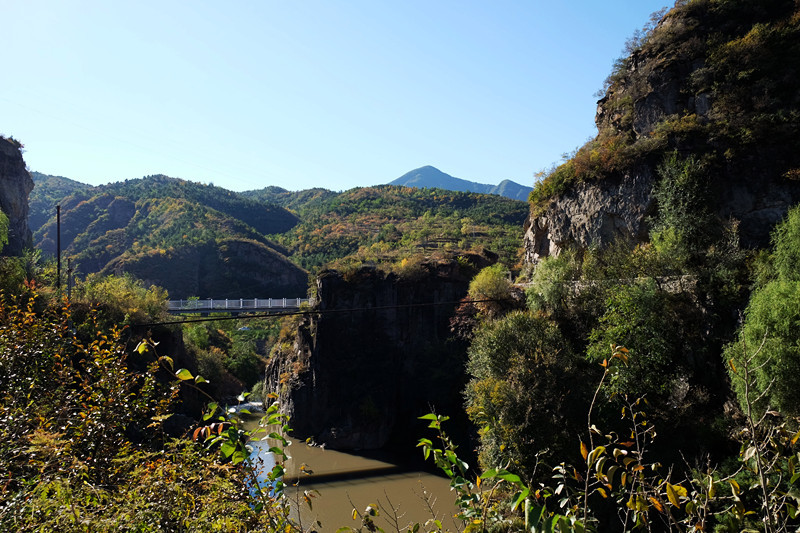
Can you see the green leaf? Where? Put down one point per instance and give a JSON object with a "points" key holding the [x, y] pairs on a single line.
{"points": [[212, 408], [183, 374], [200, 379], [523, 495], [227, 449]]}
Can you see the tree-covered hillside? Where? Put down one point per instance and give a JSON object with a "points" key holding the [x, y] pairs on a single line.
{"points": [[47, 193], [387, 223], [196, 239], [192, 239]]}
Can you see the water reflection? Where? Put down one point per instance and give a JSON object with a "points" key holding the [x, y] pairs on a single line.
{"points": [[343, 481]]}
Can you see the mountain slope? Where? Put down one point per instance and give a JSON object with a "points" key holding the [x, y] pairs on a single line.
{"points": [[431, 177], [293, 200], [389, 223], [48, 191], [192, 239]]}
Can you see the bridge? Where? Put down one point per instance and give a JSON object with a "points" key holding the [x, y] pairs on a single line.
{"points": [[234, 306]]}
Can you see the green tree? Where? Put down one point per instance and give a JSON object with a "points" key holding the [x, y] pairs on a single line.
{"points": [[526, 392], [642, 317], [3, 230], [786, 244], [550, 283], [684, 219], [770, 333]]}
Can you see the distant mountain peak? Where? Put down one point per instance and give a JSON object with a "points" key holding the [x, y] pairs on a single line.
{"points": [[430, 177]]}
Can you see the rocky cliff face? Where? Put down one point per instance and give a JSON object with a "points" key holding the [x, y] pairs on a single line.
{"points": [[592, 213], [378, 356], [15, 185], [709, 81]]}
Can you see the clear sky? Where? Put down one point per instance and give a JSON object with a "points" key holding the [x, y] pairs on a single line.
{"points": [[300, 94]]}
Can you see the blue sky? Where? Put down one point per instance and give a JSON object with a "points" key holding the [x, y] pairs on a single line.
{"points": [[301, 94]]}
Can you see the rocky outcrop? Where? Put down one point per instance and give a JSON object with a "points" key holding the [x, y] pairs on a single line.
{"points": [[726, 101], [377, 356], [15, 185], [594, 213]]}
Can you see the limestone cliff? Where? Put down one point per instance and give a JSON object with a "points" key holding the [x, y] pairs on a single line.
{"points": [[715, 80], [377, 356], [15, 185]]}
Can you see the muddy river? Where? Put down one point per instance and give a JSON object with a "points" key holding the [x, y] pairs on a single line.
{"points": [[344, 481]]}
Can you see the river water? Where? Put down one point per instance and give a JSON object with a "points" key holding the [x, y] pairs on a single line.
{"points": [[343, 481]]}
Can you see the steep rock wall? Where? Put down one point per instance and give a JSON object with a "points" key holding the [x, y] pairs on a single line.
{"points": [[711, 82], [378, 356], [592, 213], [15, 185]]}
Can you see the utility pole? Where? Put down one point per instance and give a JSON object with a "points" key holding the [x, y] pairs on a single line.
{"points": [[58, 247]]}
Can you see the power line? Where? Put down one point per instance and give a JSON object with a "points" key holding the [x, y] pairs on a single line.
{"points": [[314, 312]]}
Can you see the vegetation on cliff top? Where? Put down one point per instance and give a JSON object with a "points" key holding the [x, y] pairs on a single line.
{"points": [[716, 78]]}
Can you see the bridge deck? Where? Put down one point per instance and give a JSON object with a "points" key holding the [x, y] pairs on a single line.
{"points": [[242, 305]]}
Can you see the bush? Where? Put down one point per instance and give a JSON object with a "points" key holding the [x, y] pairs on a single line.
{"points": [[492, 284], [3, 230], [82, 446], [549, 288], [786, 244], [683, 203], [124, 298], [524, 388], [640, 316]]}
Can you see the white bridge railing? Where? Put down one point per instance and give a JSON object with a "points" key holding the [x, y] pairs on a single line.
{"points": [[212, 305]]}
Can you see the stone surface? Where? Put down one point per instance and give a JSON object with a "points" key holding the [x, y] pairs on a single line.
{"points": [[593, 213], [15, 185], [361, 373], [667, 79]]}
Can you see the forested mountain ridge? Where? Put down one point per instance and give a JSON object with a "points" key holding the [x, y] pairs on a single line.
{"points": [[190, 238], [292, 200], [387, 223], [48, 191], [143, 226], [715, 80]]}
